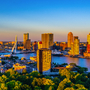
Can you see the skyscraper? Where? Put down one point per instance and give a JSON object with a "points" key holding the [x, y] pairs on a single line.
{"points": [[26, 41], [35, 46], [28, 44], [70, 39], [39, 44], [43, 60], [88, 43], [87, 53], [76, 45], [88, 38], [47, 40]]}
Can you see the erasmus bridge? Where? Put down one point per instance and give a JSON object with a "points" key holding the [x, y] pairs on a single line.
{"points": [[14, 48]]}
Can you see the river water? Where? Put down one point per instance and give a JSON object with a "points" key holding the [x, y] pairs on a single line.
{"points": [[56, 59]]}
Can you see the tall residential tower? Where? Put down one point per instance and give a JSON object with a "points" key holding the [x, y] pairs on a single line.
{"points": [[47, 40], [43, 60], [26, 41], [70, 39]]}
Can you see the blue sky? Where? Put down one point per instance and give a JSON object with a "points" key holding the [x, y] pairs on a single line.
{"points": [[42, 16]]}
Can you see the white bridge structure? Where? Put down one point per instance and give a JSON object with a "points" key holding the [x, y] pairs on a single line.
{"points": [[14, 48]]}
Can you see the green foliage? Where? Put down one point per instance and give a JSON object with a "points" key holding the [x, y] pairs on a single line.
{"points": [[73, 64], [85, 69], [35, 74], [65, 72], [48, 77], [56, 81], [37, 88], [64, 64], [51, 88], [3, 62], [25, 87], [67, 80], [3, 86], [62, 84], [88, 75], [81, 70], [14, 85]]}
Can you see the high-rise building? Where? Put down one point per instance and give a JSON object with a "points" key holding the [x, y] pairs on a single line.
{"points": [[28, 44], [35, 46], [72, 49], [47, 40], [88, 43], [75, 46], [26, 41], [43, 60], [88, 38], [25, 37], [39, 44], [70, 39], [87, 53]]}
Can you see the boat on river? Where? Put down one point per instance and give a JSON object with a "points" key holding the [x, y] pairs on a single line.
{"points": [[56, 53]]}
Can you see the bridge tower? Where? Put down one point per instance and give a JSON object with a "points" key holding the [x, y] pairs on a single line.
{"points": [[15, 45]]}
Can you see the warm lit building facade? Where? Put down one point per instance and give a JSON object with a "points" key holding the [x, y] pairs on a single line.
{"points": [[39, 44], [75, 46], [70, 39], [87, 53], [26, 41], [18, 67], [63, 45], [43, 60], [28, 44], [88, 43], [47, 40], [88, 38], [72, 49], [1, 42], [20, 47], [35, 46]]}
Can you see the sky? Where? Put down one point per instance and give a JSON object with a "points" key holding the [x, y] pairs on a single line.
{"points": [[44, 16]]}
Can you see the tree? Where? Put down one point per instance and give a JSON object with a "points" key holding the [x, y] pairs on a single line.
{"points": [[3, 86], [37, 88], [25, 87], [3, 62], [88, 75], [35, 74], [65, 72], [85, 69], [64, 64], [14, 85], [56, 81], [62, 84]]}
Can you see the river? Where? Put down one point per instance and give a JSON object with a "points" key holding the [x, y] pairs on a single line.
{"points": [[56, 59]]}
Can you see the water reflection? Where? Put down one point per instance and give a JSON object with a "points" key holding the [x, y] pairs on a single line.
{"points": [[79, 61]]}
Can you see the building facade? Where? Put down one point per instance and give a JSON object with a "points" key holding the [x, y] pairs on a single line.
{"points": [[43, 60], [26, 41], [88, 43], [39, 44], [87, 53], [70, 39], [75, 46], [47, 40]]}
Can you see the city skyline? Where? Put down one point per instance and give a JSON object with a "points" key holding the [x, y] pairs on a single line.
{"points": [[36, 17]]}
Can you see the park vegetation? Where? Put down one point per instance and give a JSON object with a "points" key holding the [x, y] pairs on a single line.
{"points": [[66, 80]]}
